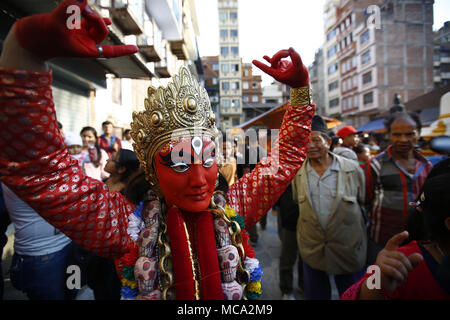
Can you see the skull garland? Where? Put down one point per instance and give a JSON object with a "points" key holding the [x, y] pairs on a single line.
{"points": [[228, 262], [146, 267]]}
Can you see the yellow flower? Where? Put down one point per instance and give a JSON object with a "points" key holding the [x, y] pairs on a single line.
{"points": [[131, 284], [229, 212], [255, 286]]}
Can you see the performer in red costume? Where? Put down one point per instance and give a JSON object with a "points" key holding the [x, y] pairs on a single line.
{"points": [[184, 240]]}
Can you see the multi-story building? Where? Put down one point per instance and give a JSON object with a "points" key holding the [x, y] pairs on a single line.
{"points": [[367, 63], [230, 87], [251, 85], [317, 80], [441, 59], [211, 78], [252, 93]]}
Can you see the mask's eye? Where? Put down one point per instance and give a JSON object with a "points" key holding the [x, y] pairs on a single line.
{"points": [[208, 163], [180, 167]]}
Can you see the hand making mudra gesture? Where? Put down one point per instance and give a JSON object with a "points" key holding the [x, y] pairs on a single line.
{"points": [[187, 231]]}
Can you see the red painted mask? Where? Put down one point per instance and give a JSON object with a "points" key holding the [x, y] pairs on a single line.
{"points": [[187, 173]]}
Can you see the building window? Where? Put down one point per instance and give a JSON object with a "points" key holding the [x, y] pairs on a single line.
{"points": [[246, 99], [354, 62], [225, 103], [344, 85], [245, 85], [246, 73], [255, 98], [215, 67], [333, 85], [235, 121], [222, 16], [235, 50], [235, 67], [235, 85], [364, 37], [233, 15], [223, 50], [368, 98], [367, 77], [331, 34], [355, 81], [225, 85], [355, 101], [234, 32], [223, 33], [236, 103], [214, 80], [365, 57], [333, 68], [225, 67], [332, 51], [255, 85], [334, 102]]}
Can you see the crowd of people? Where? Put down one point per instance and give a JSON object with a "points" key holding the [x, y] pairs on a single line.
{"points": [[169, 219]]}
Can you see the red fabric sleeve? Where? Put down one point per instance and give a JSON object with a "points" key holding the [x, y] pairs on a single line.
{"points": [[35, 164], [257, 191]]}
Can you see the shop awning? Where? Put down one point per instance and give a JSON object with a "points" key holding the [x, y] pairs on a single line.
{"points": [[272, 119], [374, 126]]}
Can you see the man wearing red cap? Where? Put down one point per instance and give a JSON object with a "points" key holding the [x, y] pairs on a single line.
{"points": [[349, 136]]}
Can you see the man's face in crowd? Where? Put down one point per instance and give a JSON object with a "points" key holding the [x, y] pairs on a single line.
{"points": [[108, 128], [403, 135], [352, 140], [318, 146]]}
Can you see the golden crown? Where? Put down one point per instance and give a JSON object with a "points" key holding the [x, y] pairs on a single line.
{"points": [[181, 109]]}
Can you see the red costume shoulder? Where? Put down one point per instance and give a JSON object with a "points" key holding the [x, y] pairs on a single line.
{"points": [[35, 164]]}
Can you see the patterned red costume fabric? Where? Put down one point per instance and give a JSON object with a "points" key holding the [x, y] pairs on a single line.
{"points": [[35, 164]]}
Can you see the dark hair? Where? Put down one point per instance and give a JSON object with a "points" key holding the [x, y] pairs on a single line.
{"points": [[403, 115], [126, 131], [59, 125], [334, 141], [129, 161], [106, 122], [436, 206], [137, 186], [99, 154], [359, 149]]}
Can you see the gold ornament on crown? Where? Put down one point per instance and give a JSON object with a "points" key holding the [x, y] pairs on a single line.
{"points": [[182, 109]]}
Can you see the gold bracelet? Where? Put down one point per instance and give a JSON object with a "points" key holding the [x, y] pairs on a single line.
{"points": [[301, 96]]}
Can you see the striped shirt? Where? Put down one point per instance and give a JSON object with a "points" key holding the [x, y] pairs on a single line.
{"points": [[389, 189]]}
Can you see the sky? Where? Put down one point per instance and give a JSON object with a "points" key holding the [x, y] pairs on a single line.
{"points": [[267, 26]]}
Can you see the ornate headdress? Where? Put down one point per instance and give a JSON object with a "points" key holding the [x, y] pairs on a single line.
{"points": [[181, 109]]}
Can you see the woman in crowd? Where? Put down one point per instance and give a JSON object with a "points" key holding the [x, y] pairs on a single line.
{"points": [[189, 242], [101, 272], [95, 160]]}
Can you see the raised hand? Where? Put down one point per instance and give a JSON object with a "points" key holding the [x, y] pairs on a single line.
{"points": [[293, 73], [48, 36], [394, 265]]}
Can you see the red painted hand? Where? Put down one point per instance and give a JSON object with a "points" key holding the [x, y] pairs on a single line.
{"points": [[48, 35], [293, 73]]}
